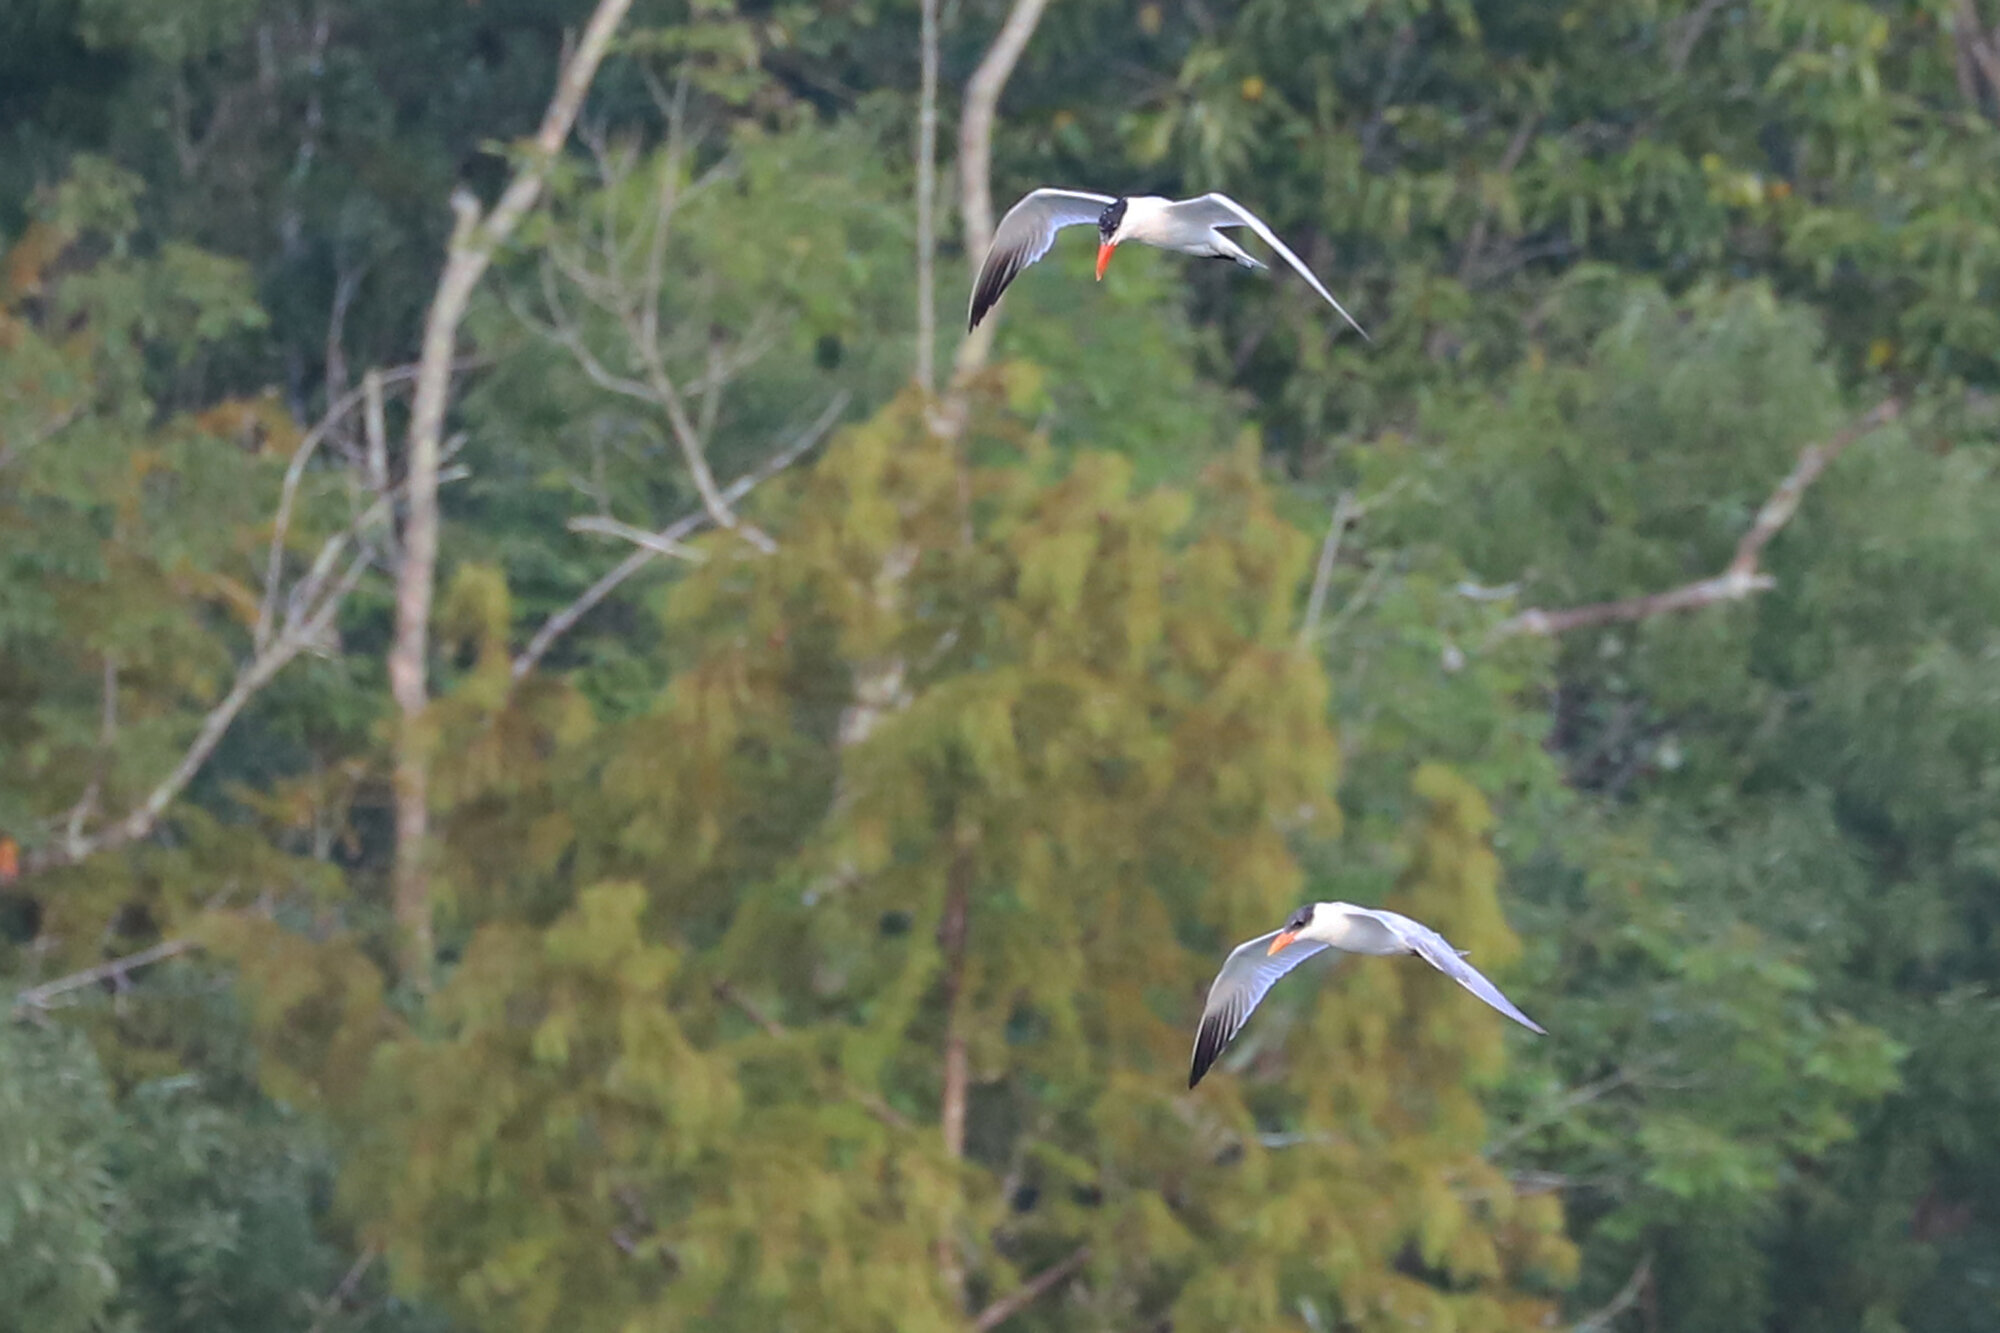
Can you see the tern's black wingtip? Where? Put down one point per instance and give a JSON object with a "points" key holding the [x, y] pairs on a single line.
{"points": [[1208, 1045]]}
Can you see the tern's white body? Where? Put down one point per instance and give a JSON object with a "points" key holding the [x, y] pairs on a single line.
{"points": [[1189, 226], [1160, 223], [1255, 966]]}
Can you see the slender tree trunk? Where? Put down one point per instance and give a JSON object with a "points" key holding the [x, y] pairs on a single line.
{"points": [[927, 201], [975, 157], [473, 240], [951, 942], [957, 1072], [416, 578]]}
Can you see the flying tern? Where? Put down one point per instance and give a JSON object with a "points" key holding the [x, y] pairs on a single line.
{"points": [[1254, 966], [1191, 226]]}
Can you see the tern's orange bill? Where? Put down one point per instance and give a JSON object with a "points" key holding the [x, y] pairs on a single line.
{"points": [[1103, 258], [1284, 937]]}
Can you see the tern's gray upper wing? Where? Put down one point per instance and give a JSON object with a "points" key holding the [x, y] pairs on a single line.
{"points": [[1434, 949], [1219, 210], [1246, 975], [1024, 236]]}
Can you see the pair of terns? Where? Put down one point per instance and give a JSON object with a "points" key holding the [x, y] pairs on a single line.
{"points": [[1190, 226], [1195, 227]]}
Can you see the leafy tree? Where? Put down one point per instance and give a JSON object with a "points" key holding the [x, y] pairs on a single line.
{"points": [[858, 1032], [55, 1115], [188, 1204]]}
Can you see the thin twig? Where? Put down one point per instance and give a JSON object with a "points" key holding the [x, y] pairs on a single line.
{"points": [[54, 426], [1738, 580], [107, 734], [1690, 35], [1598, 1320], [868, 1101], [343, 1289], [40, 998], [1510, 158], [1329, 551], [295, 472], [694, 450], [1000, 1311], [375, 431]]}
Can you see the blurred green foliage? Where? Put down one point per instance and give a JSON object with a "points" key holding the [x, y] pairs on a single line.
{"points": [[702, 987]]}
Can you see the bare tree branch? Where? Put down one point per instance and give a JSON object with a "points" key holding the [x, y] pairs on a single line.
{"points": [[975, 159], [623, 278], [307, 620], [289, 622], [336, 412], [1738, 580], [49, 429], [343, 1290], [1978, 50], [1600, 1319], [560, 623], [107, 734], [473, 241], [657, 542], [37, 999], [1000, 1311], [1689, 35]]}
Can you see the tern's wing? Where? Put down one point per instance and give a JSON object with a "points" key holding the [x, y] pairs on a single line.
{"points": [[1219, 210], [1434, 949], [1024, 236], [1238, 988]]}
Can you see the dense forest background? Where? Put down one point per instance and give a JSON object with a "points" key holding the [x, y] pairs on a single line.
{"points": [[575, 758]]}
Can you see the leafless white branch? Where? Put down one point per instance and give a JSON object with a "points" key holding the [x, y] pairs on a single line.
{"points": [[675, 533], [309, 609], [622, 277], [1601, 1319], [658, 543], [1739, 579], [40, 999], [54, 426], [1000, 1311]]}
